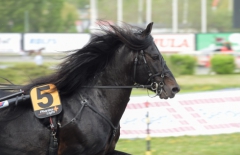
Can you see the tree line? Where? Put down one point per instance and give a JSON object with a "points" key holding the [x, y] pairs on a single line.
{"points": [[37, 16], [61, 15]]}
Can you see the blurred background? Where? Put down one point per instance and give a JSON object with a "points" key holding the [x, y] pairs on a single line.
{"points": [[199, 39]]}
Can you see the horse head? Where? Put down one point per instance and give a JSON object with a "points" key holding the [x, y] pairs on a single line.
{"points": [[150, 68]]}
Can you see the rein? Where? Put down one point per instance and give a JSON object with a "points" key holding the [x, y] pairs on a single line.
{"points": [[119, 87]]}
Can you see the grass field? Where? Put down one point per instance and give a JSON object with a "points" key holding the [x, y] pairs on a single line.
{"points": [[225, 144], [21, 73]]}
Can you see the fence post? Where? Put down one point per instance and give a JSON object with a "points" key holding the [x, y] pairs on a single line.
{"points": [[148, 138]]}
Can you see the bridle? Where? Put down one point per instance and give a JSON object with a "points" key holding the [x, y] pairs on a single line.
{"points": [[150, 84], [157, 87]]}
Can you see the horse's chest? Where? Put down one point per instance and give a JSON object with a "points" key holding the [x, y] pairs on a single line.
{"points": [[91, 140]]}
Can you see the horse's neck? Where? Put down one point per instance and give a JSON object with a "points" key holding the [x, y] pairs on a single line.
{"points": [[118, 73]]}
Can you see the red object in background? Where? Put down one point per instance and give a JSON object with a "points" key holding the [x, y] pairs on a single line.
{"points": [[225, 49], [215, 3], [208, 63], [146, 104]]}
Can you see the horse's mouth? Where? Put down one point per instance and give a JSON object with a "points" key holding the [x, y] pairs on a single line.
{"points": [[163, 96], [163, 93]]}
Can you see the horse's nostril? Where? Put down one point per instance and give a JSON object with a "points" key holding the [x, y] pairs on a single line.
{"points": [[175, 90]]}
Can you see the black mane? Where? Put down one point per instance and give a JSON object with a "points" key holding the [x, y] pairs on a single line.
{"points": [[83, 64]]}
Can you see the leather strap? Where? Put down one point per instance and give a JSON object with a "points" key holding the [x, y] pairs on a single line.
{"points": [[118, 87]]}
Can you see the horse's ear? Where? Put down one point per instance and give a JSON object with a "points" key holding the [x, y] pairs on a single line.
{"points": [[148, 30]]}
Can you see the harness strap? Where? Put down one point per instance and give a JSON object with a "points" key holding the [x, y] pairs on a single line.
{"points": [[135, 67], [75, 118], [145, 63], [85, 104], [53, 142], [53, 145], [109, 122], [150, 78], [112, 137]]}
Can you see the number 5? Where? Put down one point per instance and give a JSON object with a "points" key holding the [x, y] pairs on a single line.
{"points": [[41, 96]]}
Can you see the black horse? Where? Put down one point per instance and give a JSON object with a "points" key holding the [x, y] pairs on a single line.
{"points": [[94, 84]]}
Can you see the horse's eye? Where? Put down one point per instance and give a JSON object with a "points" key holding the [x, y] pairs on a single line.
{"points": [[155, 57]]}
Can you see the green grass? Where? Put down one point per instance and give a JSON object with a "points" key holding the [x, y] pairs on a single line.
{"points": [[208, 82], [225, 144], [21, 73]]}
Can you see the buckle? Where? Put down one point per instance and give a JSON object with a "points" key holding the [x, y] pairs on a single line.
{"points": [[154, 86]]}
